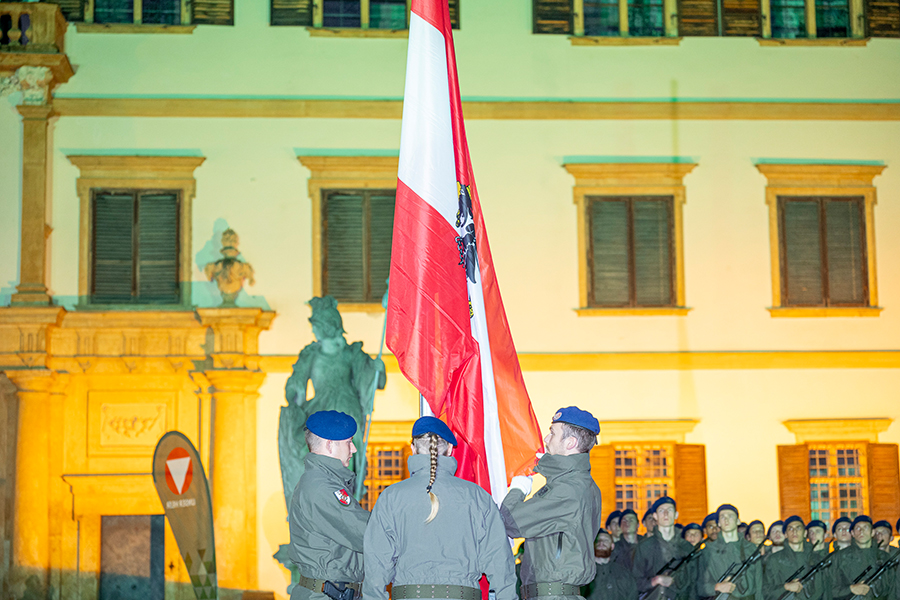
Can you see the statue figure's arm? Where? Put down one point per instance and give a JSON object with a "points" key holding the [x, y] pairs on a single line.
{"points": [[364, 370], [295, 388]]}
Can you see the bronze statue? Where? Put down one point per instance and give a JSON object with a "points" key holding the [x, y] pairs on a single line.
{"points": [[342, 376]]}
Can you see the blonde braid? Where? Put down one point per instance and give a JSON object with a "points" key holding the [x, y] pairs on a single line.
{"points": [[433, 451]]}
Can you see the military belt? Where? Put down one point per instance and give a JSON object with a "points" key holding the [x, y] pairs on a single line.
{"points": [[316, 584], [533, 590], [456, 592]]}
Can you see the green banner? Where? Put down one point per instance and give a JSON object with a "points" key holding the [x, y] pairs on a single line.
{"points": [[184, 493]]}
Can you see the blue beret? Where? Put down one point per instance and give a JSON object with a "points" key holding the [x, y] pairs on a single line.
{"points": [[628, 511], [816, 523], [730, 507], [838, 522], [660, 501], [898, 525], [779, 524], [613, 515], [755, 522], [689, 527], [789, 520], [884, 524], [649, 513], [577, 417], [710, 518], [433, 425], [331, 425], [861, 519]]}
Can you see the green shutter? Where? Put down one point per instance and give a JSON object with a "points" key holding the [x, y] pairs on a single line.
{"points": [[381, 229], [801, 253], [609, 269], [112, 278], [552, 16], [72, 10], [157, 267], [652, 252], [292, 12], [212, 12], [845, 247], [741, 17], [344, 262], [883, 18], [454, 14], [698, 17]]}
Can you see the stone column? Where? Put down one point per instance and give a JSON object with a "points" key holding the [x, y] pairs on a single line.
{"points": [[32, 288], [233, 475], [31, 520]]}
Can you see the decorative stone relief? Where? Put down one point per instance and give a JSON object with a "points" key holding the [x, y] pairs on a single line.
{"points": [[132, 424], [33, 82]]}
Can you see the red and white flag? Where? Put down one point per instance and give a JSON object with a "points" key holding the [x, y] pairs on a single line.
{"points": [[445, 319]]}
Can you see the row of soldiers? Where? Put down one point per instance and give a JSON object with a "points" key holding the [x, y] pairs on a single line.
{"points": [[724, 558]]}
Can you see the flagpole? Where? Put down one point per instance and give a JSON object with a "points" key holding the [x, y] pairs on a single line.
{"points": [[370, 407]]}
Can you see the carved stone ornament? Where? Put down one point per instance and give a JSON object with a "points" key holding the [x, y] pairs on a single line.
{"points": [[33, 82], [230, 271]]}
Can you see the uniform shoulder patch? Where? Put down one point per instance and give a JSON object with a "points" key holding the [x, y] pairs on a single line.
{"points": [[342, 496]]}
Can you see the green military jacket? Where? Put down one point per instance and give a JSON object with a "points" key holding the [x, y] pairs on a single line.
{"points": [[623, 553], [850, 562], [558, 523], [327, 525], [612, 582], [715, 559], [464, 540], [782, 565], [652, 554]]}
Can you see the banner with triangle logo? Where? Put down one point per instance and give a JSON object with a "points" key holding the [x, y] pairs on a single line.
{"points": [[184, 492]]}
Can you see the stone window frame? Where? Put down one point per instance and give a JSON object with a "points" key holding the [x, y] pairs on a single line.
{"points": [[817, 179], [630, 179], [343, 172], [135, 172]]}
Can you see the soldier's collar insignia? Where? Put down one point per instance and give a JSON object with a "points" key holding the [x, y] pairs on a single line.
{"points": [[342, 496]]}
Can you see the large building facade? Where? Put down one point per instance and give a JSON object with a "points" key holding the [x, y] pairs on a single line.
{"points": [[692, 207]]}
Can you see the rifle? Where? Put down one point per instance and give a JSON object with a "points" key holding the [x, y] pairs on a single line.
{"points": [[742, 569], [670, 568], [892, 561], [819, 566]]}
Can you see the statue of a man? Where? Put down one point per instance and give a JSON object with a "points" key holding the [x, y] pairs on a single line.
{"points": [[343, 378]]}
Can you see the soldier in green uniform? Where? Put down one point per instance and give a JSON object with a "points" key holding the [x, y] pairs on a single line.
{"points": [[797, 554], [850, 562], [756, 532], [612, 581], [560, 521], [649, 522], [326, 523], [693, 535], [840, 530], [625, 545], [728, 549], [434, 534], [815, 535], [710, 526], [656, 550], [776, 536], [883, 533], [612, 525]]}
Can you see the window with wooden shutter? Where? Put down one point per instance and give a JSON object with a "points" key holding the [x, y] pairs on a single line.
{"points": [[832, 18], [349, 17], [552, 16], [291, 12], [631, 251], [793, 481], [884, 481], [882, 18], [357, 227], [643, 473], [741, 18], [212, 12], [149, 12], [837, 480], [603, 470], [690, 481], [135, 247], [823, 251], [698, 18], [72, 10]]}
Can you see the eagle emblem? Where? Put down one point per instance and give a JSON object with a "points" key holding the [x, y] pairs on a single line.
{"points": [[465, 225]]}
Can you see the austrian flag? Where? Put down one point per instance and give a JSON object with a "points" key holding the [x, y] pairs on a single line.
{"points": [[445, 319]]}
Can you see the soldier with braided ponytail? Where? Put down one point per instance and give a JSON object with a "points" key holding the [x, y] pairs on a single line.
{"points": [[437, 548]]}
